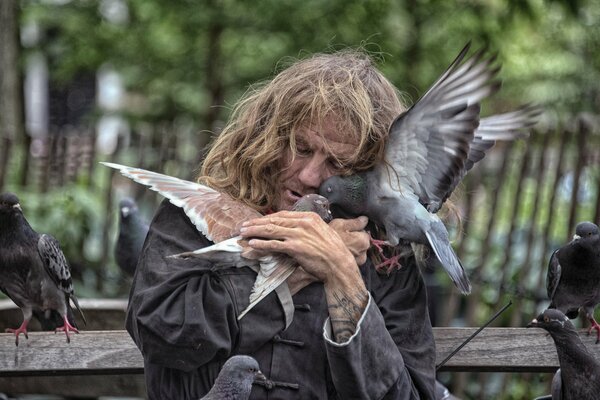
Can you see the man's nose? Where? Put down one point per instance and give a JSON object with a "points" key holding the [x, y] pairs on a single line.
{"points": [[314, 171]]}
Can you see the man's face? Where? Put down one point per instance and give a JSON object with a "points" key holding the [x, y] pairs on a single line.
{"points": [[318, 149]]}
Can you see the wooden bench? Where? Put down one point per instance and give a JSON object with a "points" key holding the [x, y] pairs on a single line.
{"points": [[46, 363]]}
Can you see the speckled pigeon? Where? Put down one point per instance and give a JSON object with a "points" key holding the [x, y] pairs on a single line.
{"points": [[33, 270], [219, 217], [573, 279], [235, 379], [579, 373], [430, 148], [132, 233]]}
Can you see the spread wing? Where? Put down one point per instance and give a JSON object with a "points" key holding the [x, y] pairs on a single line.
{"points": [[217, 215], [430, 143], [553, 275]]}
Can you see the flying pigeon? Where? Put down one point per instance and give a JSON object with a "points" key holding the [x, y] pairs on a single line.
{"points": [[132, 233], [219, 218], [33, 270], [579, 373], [235, 379], [573, 279], [430, 148]]}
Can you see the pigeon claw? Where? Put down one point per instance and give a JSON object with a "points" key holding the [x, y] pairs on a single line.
{"points": [[66, 328], [596, 326], [389, 263], [378, 244], [21, 329]]}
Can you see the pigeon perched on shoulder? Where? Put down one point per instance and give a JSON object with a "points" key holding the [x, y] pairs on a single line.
{"points": [[579, 373], [235, 379], [33, 270], [573, 279], [430, 148], [219, 218], [132, 233]]}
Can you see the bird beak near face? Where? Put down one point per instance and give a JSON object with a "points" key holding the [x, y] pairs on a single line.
{"points": [[533, 323], [18, 207], [125, 211], [576, 237], [259, 377]]}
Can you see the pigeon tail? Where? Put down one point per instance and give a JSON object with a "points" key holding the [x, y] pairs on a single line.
{"points": [[438, 239]]}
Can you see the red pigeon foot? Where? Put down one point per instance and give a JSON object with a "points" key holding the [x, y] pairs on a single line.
{"points": [[389, 263], [22, 329], [66, 328], [596, 326], [378, 243]]}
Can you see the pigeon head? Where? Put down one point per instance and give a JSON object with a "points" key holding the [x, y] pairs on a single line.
{"points": [[348, 192], [127, 207], [315, 203], [237, 375], [9, 204], [587, 235], [552, 320]]}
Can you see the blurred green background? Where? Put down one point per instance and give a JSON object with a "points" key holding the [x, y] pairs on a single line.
{"points": [[148, 83]]}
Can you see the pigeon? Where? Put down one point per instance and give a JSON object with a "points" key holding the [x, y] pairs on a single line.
{"points": [[235, 379], [579, 373], [219, 218], [430, 148], [34, 273], [132, 233], [573, 279]]}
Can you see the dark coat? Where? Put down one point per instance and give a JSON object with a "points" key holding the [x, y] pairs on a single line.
{"points": [[183, 316]]}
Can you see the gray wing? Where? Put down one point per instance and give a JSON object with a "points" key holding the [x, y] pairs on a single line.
{"points": [[55, 263], [553, 275], [557, 386], [429, 144], [508, 126]]}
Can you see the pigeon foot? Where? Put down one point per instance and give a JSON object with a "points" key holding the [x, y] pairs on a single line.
{"points": [[66, 328], [596, 326], [389, 263], [378, 244], [21, 329]]}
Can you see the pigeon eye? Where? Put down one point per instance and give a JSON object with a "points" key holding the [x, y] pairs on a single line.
{"points": [[546, 319]]}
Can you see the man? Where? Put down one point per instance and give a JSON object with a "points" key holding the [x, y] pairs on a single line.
{"points": [[356, 333]]}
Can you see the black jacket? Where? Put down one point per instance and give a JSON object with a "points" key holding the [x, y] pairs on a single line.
{"points": [[183, 316]]}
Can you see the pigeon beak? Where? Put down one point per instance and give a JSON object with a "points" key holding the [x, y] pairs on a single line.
{"points": [[533, 323], [576, 237], [259, 377], [18, 207], [125, 211]]}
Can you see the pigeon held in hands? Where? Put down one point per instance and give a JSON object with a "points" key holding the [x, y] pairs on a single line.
{"points": [[34, 272], [573, 278], [132, 233], [272, 268], [235, 379], [430, 148], [579, 373], [219, 217]]}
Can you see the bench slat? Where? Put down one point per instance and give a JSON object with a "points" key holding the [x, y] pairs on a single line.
{"points": [[113, 352]]}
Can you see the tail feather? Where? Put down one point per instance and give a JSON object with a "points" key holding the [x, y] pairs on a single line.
{"points": [[438, 239], [76, 302]]}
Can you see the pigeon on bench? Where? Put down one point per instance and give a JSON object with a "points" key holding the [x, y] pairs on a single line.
{"points": [[573, 279], [579, 373], [34, 273]]}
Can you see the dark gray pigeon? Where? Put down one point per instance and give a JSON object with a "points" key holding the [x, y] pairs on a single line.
{"points": [[132, 233], [219, 218], [235, 379], [573, 279], [579, 373], [33, 270], [430, 149]]}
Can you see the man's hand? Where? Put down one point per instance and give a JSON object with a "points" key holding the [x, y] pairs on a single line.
{"points": [[355, 238]]}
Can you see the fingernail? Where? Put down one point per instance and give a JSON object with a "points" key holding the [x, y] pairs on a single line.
{"points": [[242, 229]]}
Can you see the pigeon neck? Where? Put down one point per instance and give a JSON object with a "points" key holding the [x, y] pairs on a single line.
{"points": [[572, 353]]}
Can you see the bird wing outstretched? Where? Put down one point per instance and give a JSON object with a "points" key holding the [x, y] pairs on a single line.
{"points": [[429, 143], [217, 215]]}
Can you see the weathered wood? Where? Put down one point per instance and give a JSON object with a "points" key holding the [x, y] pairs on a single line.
{"points": [[113, 352]]}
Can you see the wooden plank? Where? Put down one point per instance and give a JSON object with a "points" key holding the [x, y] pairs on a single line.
{"points": [[502, 349], [113, 352]]}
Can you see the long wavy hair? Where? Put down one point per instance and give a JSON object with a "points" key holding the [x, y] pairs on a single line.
{"points": [[245, 159]]}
